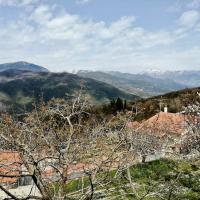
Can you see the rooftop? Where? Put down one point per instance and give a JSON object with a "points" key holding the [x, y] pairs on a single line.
{"points": [[10, 164], [162, 123]]}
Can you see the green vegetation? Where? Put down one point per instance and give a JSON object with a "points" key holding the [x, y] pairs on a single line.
{"points": [[21, 89], [175, 101], [22, 100], [156, 180], [4, 97]]}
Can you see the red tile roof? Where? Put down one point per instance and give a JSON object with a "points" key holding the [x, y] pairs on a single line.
{"points": [[10, 164], [162, 124]]}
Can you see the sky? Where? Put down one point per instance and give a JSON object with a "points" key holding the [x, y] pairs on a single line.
{"points": [[109, 35]]}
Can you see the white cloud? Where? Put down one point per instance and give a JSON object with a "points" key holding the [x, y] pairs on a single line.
{"points": [[42, 14], [63, 41], [184, 5], [189, 18], [122, 32], [83, 1], [18, 2], [194, 4]]}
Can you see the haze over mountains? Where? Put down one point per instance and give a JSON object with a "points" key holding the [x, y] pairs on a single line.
{"points": [[189, 78], [144, 85], [21, 83]]}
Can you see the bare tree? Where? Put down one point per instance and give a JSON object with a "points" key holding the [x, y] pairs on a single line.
{"points": [[49, 141], [58, 138], [146, 144], [190, 143]]}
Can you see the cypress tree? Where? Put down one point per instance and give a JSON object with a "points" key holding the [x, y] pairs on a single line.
{"points": [[119, 104]]}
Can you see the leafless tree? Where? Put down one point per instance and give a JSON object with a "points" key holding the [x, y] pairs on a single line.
{"points": [[49, 141], [146, 144], [58, 138], [190, 143]]}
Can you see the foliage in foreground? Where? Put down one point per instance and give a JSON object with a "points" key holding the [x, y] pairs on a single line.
{"points": [[156, 180]]}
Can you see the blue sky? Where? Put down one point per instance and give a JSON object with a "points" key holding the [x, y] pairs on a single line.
{"points": [[122, 35]]}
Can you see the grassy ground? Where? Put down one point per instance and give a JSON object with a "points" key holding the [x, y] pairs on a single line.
{"points": [[156, 180]]}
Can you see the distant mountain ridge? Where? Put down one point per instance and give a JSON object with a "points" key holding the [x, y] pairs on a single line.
{"points": [[22, 66], [22, 82], [190, 78], [143, 85], [20, 89]]}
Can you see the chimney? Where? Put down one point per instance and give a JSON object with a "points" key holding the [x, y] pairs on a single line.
{"points": [[166, 109]]}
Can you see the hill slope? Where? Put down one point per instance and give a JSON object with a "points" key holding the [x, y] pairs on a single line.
{"points": [[175, 101], [142, 85], [23, 88], [22, 66]]}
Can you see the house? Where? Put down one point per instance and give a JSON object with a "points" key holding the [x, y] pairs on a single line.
{"points": [[171, 128], [10, 165], [162, 124], [12, 169]]}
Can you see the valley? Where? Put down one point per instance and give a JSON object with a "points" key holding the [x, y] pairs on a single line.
{"points": [[91, 136]]}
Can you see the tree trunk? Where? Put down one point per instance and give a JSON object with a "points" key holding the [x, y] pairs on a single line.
{"points": [[36, 176], [143, 158]]}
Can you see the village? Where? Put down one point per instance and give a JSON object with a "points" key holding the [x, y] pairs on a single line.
{"points": [[158, 137]]}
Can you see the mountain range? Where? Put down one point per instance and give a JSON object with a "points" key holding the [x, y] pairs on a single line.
{"points": [[20, 89], [23, 66], [143, 85], [189, 78], [22, 83]]}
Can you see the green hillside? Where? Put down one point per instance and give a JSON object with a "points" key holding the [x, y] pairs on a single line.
{"points": [[175, 101], [21, 89]]}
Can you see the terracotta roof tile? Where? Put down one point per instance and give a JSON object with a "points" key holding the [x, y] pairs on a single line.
{"points": [[10, 164], [162, 124]]}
